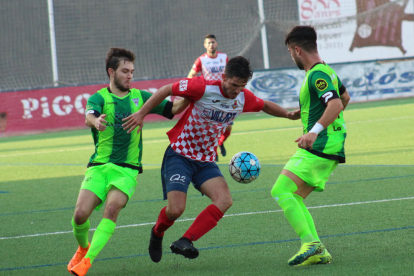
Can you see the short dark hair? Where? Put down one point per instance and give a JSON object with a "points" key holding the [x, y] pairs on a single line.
{"points": [[302, 36], [238, 67], [116, 55], [210, 36]]}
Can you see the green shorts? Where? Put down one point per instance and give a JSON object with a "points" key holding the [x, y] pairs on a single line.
{"points": [[100, 179], [312, 169]]}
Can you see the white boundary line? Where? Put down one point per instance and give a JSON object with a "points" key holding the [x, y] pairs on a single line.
{"points": [[229, 215]]}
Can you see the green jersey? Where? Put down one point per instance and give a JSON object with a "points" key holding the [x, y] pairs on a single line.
{"points": [[320, 85], [114, 144]]}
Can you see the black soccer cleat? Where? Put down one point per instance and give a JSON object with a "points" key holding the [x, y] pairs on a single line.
{"points": [[223, 150], [155, 247], [184, 247]]}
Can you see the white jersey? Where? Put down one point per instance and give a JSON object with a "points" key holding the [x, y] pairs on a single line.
{"points": [[196, 134], [211, 68]]}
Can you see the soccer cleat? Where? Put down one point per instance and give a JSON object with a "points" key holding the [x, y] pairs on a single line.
{"points": [[184, 247], [79, 254], [217, 158], [81, 268], [223, 150], [155, 247], [322, 258], [306, 250]]}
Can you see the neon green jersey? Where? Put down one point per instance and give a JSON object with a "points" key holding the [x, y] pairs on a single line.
{"points": [[114, 144], [319, 86]]}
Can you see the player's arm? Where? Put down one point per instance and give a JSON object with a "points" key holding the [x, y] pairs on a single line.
{"points": [[180, 105], [276, 110], [137, 119], [192, 73], [345, 98], [195, 69], [333, 109], [96, 122], [93, 116], [344, 95]]}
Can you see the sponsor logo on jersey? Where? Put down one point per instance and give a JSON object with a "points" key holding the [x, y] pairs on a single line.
{"points": [[321, 84], [225, 105], [111, 103], [216, 69], [183, 85], [234, 105], [215, 101], [222, 117], [136, 101]]}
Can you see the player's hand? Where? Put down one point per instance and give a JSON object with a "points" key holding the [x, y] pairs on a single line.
{"points": [[306, 141], [133, 121], [100, 123], [294, 115]]}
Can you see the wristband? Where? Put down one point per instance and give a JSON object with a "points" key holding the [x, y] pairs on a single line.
{"points": [[317, 128]]}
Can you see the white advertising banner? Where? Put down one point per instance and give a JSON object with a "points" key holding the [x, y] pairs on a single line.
{"points": [[383, 29], [365, 81]]}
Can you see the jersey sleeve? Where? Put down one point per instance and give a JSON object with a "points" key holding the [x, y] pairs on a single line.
{"points": [[251, 102], [197, 65], [163, 109], [95, 104], [321, 84], [192, 89]]}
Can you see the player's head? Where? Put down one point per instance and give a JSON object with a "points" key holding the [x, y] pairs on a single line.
{"points": [[210, 43], [301, 38], [236, 75], [120, 67]]}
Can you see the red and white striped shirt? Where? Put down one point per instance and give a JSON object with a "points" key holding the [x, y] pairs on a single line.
{"points": [[196, 134], [211, 68]]}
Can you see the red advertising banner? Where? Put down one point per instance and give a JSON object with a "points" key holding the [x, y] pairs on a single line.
{"points": [[56, 108]]}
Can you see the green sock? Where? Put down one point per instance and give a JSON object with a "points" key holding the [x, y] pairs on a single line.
{"points": [[282, 192], [101, 236], [81, 232], [308, 217]]}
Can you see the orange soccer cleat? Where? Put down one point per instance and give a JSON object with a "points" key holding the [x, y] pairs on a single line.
{"points": [[79, 254], [81, 268]]}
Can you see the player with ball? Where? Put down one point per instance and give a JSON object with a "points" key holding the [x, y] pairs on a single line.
{"points": [[191, 155]]}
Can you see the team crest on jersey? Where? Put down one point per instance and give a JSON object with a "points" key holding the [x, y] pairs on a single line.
{"points": [[321, 84], [136, 101], [183, 85], [234, 105]]}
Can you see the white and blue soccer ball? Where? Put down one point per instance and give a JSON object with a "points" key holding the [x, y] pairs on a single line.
{"points": [[244, 167]]}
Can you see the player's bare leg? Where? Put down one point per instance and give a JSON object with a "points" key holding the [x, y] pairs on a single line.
{"points": [[86, 203]]}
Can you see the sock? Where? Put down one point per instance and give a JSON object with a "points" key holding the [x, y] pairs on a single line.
{"points": [[163, 223], [101, 236], [282, 192], [81, 232], [308, 217], [204, 222], [224, 137]]}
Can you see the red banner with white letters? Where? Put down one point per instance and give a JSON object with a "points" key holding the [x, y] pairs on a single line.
{"points": [[56, 108]]}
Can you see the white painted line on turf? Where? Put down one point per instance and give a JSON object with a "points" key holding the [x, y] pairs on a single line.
{"points": [[229, 215]]}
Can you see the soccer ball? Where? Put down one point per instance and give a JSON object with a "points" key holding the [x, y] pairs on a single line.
{"points": [[244, 167]]}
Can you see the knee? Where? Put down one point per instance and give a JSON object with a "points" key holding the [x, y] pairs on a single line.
{"points": [[112, 210], [80, 216], [174, 212], [224, 203]]}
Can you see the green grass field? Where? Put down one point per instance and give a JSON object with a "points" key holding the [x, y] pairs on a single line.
{"points": [[364, 217]]}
